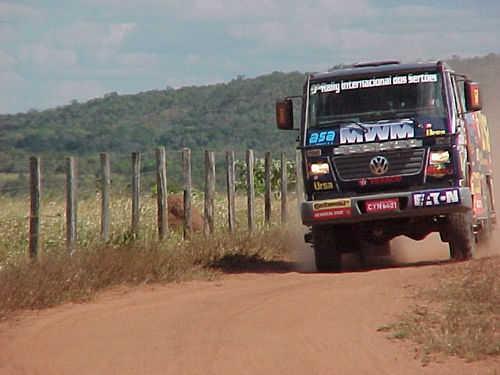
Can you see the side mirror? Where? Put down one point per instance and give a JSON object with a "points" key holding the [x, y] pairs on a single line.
{"points": [[284, 114], [473, 98]]}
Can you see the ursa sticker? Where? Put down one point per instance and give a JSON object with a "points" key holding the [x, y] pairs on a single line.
{"points": [[322, 185]]}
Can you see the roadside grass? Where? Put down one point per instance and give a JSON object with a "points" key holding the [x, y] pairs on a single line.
{"points": [[57, 277], [459, 316], [76, 278]]}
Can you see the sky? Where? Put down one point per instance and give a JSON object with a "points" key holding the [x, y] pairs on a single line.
{"points": [[53, 52]]}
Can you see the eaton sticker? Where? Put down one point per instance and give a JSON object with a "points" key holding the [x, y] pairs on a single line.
{"points": [[436, 198]]}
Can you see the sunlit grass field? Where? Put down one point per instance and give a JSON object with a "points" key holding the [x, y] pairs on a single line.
{"points": [[459, 316], [57, 277], [14, 222]]}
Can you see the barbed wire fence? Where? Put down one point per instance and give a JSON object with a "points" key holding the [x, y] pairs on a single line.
{"points": [[138, 186]]}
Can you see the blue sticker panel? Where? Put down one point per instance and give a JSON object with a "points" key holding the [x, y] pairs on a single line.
{"points": [[436, 198], [316, 138]]}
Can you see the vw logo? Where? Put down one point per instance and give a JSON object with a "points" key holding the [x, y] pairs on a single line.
{"points": [[379, 165]]}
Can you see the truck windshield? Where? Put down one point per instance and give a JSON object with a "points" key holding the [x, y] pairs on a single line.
{"points": [[413, 95]]}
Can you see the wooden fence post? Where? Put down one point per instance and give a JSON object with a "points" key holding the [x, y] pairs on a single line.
{"points": [[231, 208], [71, 204], [161, 193], [34, 228], [268, 187], [209, 191], [136, 181], [284, 189], [105, 193], [186, 166], [250, 190], [299, 187]]}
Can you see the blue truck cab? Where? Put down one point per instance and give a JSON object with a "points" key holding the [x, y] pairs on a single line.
{"points": [[392, 149]]}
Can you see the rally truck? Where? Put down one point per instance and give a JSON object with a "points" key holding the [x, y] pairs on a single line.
{"points": [[392, 149]]}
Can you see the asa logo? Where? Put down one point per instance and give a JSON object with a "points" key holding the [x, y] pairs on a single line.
{"points": [[324, 137]]}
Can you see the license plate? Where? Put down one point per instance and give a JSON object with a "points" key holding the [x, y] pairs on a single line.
{"points": [[378, 205]]}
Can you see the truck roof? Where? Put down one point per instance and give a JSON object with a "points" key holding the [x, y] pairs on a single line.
{"points": [[375, 69]]}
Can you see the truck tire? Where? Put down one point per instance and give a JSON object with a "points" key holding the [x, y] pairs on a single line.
{"points": [[461, 236], [326, 252]]}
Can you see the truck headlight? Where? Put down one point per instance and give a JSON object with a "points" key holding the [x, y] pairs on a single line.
{"points": [[439, 164], [319, 168], [439, 157]]}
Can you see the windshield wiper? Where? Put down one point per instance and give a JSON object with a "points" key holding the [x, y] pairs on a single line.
{"points": [[363, 128], [340, 122], [416, 123]]}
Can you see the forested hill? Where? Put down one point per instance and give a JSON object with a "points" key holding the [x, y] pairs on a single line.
{"points": [[237, 115]]}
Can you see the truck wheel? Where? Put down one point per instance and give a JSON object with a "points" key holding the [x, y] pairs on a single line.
{"points": [[461, 237], [327, 256]]}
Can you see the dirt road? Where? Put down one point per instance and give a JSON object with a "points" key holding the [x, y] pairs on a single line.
{"points": [[248, 323]]}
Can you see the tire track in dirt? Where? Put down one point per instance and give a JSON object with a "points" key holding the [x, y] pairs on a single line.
{"points": [[249, 323]]}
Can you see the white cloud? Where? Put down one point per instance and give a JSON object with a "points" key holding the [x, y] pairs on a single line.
{"points": [[125, 45], [91, 35], [294, 11], [425, 12], [138, 59], [9, 82], [271, 33], [414, 11], [333, 11], [306, 23], [62, 92], [8, 33], [19, 13], [117, 33], [123, 63], [223, 9], [193, 59], [6, 60], [42, 55]]}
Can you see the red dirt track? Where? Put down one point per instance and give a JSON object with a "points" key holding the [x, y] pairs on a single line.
{"points": [[245, 323]]}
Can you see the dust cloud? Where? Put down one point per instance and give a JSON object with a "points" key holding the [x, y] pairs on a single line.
{"points": [[301, 253], [492, 111]]}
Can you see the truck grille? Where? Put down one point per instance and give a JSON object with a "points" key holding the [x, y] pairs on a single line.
{"points": [[401, 163]]}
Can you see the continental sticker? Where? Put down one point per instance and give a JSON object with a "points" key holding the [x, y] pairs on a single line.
{"points": [[332, 209], [332, 203]]}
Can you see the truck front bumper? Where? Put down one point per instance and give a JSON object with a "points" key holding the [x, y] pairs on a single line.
{"points": [[385, 206]]}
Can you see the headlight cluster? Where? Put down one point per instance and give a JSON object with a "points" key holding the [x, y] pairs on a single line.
{"points": [[438, 157], [319, 168], [439, 163]]}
